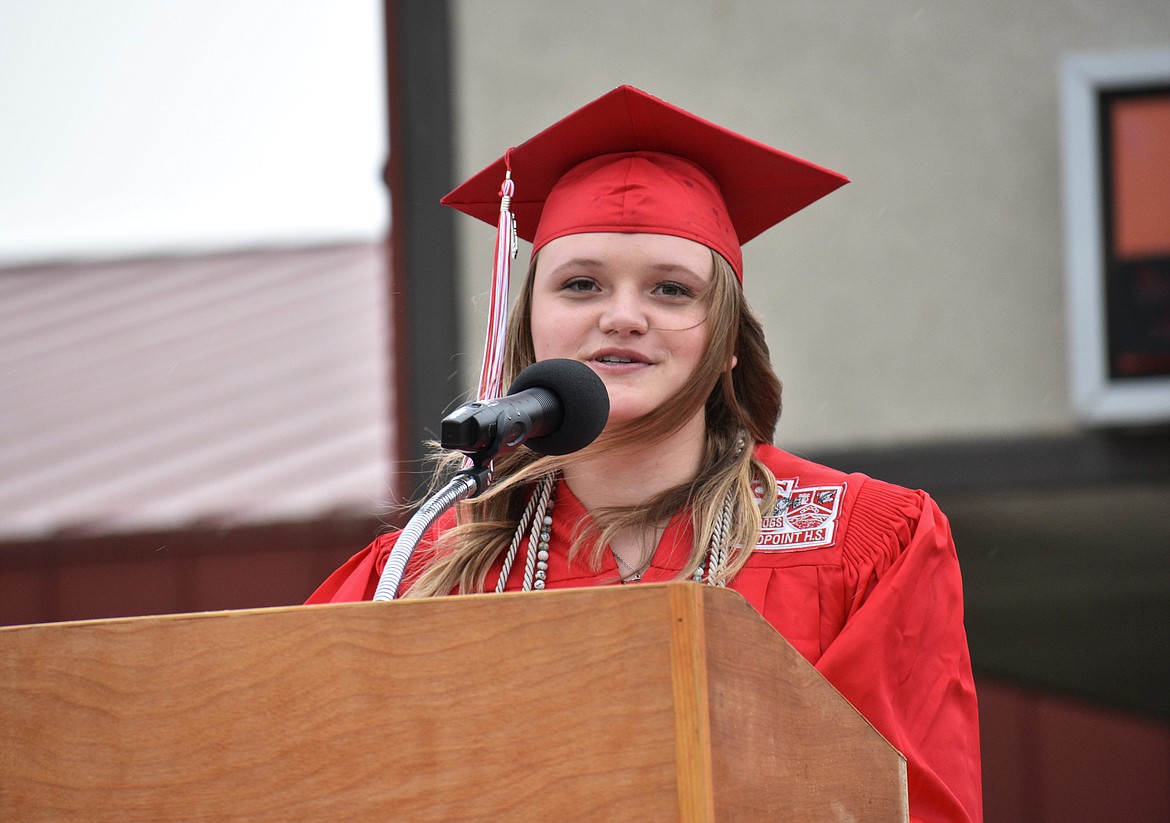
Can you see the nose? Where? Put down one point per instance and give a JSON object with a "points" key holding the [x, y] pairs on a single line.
{"points": [[623, 314]]}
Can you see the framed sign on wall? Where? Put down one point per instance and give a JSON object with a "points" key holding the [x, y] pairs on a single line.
{"points": [[1116, 111]]}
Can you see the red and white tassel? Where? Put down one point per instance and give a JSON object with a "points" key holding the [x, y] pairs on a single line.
{"points": [[491, 377]]}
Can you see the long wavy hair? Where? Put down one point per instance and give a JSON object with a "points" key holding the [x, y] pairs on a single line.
{"points": [[741, 408]]}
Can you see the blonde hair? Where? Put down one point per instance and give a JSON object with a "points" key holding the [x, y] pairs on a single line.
{"points": [[741, 408]]}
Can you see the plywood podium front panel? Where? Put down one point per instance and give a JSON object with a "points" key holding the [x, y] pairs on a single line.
{"points": [[662, 702]]}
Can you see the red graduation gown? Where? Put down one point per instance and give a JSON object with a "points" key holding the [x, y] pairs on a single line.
{"points": [[860, 576]]}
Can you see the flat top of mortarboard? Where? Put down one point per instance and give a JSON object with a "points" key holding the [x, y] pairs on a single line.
{"points": [[760, 184]]}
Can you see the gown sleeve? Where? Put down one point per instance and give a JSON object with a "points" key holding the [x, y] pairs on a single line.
{"points": [[356, 579], [901, 658]]}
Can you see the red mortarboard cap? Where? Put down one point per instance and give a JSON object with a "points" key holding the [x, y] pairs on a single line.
{"points": [[629, 162]]}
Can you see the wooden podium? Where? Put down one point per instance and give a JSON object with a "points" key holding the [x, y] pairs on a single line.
{"points": [[657, 702]]}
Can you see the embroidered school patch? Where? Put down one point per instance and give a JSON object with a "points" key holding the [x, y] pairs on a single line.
{"points": [[804, 518]]}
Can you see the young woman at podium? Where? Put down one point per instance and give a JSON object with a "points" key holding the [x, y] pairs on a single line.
{"points": [[636, 211]]}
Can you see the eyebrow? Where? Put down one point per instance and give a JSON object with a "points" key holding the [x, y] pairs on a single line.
{"points": [[671, 268], [586, 262]]}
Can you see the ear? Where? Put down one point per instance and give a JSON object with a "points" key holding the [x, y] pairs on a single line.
{"points": [[734, 362]]}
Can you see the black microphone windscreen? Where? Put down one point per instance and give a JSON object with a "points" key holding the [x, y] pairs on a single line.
{"points": [[583, 397]]}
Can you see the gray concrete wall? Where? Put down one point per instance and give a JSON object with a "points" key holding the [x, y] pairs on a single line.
{"points": [[924, 301]]}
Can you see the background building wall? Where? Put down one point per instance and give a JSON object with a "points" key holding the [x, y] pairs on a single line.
{"points": [[924, 301]]}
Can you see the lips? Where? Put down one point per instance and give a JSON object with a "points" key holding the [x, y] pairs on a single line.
{"points": [[619, 357]]}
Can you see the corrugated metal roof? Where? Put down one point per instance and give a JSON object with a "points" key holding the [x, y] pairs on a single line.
{"points": [[152, 393]]}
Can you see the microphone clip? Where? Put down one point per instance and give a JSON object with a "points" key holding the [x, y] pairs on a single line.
{"points": [[483, 429]]}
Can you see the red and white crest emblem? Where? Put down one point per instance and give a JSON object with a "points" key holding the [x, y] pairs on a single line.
{"points": [[804, 518]]}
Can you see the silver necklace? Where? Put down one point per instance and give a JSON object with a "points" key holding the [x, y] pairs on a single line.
{"points": [[538, 512], [633, 575]]}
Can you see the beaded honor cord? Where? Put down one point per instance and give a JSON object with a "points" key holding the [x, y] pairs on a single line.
{"points": [[539, 512]]}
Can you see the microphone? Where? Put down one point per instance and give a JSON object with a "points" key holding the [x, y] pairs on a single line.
{"points": [[554, 407]]}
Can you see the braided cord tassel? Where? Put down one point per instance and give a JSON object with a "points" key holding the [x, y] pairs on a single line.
{"points": [[718, 551], [517, 538], [491, 377]]}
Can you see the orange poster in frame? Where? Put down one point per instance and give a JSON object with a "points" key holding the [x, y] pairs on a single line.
{"points": [[1117, 235], [1135, 141]]}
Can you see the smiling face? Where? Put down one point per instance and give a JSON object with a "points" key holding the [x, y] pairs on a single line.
{"points": [[630, 306]]}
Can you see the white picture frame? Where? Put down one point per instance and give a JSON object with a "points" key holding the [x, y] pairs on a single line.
{"points": [[1097, 398]]}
